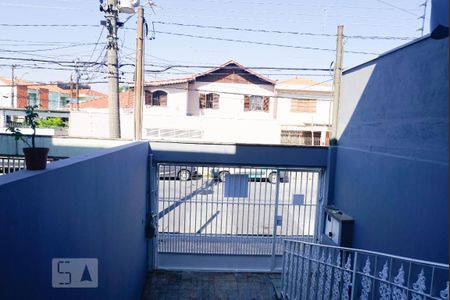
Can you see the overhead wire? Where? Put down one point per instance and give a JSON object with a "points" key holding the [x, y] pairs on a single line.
{"points": [[48, 49], [48, 25], [397, 7], [260, 43], [281, 32]]}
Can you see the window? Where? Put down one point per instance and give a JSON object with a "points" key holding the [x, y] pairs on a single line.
{"points": [[298, 137], [256, 103], [54, 100], [33, 97], [303, 105], [65, 99], [156, 98], [210, 101]]}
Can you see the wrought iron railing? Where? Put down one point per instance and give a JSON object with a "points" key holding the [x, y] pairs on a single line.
{"points": [[315, 271], [13, 163]]}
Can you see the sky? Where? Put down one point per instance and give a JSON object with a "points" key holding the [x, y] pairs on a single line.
{"points": [[166, 47]]}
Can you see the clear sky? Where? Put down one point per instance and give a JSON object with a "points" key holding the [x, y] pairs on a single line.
{"points": [[397, 18]]}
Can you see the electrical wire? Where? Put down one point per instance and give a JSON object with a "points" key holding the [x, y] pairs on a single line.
{"points": [[397, 7], [48, 49], [49, 25], [261, 43], [61, 62], [282, 32]]}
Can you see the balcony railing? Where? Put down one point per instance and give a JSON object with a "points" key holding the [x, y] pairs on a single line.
{"points": [[10, 163], [314, 271]]}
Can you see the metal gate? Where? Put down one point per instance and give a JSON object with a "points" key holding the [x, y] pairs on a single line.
{"points": [[233, 218]]}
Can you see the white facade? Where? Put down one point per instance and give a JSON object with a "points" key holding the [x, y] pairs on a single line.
{"points": [[181, 117], [5, 94]]}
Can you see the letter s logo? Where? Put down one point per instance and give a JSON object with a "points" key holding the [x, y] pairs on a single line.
{"points": [[67, 273]]}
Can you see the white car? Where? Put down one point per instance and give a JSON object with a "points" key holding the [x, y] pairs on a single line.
{"points": [[269, 175]]}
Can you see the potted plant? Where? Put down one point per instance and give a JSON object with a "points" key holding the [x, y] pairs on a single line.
{"points": [[35, 157]]}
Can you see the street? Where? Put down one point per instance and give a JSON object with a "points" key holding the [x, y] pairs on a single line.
{"points": [[198, 207]]}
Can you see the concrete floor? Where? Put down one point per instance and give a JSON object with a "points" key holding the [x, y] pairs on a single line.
{"points": [[162, 285]]}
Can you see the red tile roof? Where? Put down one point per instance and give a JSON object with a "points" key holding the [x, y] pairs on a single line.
{"points": [[126, 101], [195, 76], [92, 93], [7, 80]]}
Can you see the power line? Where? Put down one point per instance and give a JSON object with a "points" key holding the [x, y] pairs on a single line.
{"points": [[244, 29], [40, 42], [265, 74], [261, 43], [234, 68], [398, 8], [283, 3], [97, 43], [282, 32], [47, 49], [61, 62], [49, 25]]}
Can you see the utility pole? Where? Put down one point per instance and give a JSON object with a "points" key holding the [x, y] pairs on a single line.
{"points": [[337, 80], [77, 84], [111, 15], [71, 92], [138, 81], [78, 91], [13, 67]]}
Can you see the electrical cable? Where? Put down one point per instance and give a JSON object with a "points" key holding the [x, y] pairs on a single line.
{"points": [[284, 32], [261, 43]]}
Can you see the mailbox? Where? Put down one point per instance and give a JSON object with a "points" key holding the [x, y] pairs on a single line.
{"points": [[338, 229]]}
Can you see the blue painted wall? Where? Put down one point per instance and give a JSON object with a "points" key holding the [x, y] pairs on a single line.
{"points": [[391, 165], [92, 206]]}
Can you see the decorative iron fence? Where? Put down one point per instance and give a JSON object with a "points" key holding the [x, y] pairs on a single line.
{"points": [[314, 271]]}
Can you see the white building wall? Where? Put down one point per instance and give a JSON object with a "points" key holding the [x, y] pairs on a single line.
{"points": [[322, 116], [5, 95], [176, 101], [182, 119], [95, 123], [231, 102]]}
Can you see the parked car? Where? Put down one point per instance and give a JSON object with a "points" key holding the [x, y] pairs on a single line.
{"points": [[269, 175], [183, 173]]}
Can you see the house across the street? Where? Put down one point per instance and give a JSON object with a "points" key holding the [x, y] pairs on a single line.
{"points": [[229, 103]]}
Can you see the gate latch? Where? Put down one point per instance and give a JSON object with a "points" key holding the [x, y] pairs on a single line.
{"points": [[150, 228], [279, 220]]}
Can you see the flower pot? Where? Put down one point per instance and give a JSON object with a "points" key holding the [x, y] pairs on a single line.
{"points": [[36, 158]]}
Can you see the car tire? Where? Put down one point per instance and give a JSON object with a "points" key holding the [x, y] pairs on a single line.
{"points": [[184, 175], [222, 175], [272, 178]]}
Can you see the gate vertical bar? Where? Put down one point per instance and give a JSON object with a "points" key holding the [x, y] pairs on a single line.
{"points": [[275, 217], [152, 212], [319, 207]]}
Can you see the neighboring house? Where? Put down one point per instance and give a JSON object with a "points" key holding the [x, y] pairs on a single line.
{"points": [[229, 103], [304, 111], [51, 99]]}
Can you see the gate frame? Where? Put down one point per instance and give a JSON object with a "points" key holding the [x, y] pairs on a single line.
{"points": [[234, 262], [275, 156]]}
